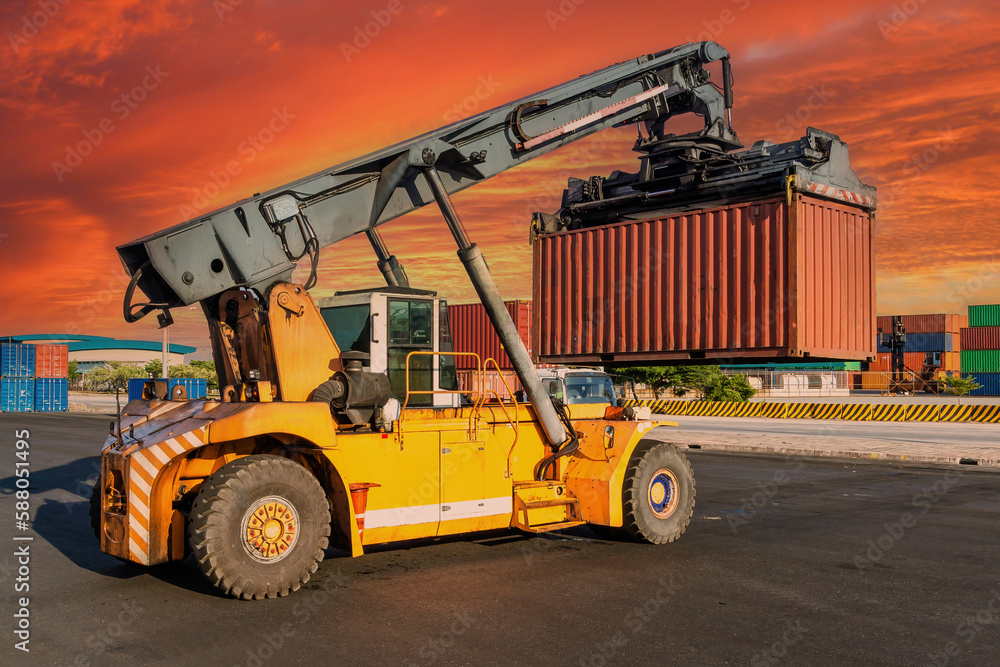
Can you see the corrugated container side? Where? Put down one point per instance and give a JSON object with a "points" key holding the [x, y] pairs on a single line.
{"points": [[472, 331], [51, 361], [912, 360], [929, 342], [981, 338], [984, 316], [51, 394], [715, 283], [981, 361], [17, 360], [196, 387], [990, 384], [17, 394], [937, 323]]}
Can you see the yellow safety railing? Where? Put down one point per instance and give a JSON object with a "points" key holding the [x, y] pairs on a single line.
{"points": [[480, 395]]}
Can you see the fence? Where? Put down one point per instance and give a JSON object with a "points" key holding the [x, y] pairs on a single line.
{"points": [[806, 383]]}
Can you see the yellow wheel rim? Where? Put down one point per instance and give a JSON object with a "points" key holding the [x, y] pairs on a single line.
{"points": [[270, 528], [664, 493]]}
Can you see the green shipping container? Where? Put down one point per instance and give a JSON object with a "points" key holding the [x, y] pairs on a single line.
{"points": [[984, 316], [981, 361]]}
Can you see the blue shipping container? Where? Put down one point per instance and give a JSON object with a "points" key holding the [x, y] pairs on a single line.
{"points": [[17, 360], [990, 383], [17, 394], [196, 387], [926, 342], [51, 395]]}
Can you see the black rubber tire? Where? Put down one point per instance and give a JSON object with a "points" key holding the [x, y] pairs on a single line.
{"points": [[95, 509], [216, 523], [640, 521]]}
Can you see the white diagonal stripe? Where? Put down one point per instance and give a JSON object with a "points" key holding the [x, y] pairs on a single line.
{"points": [[158, 453], [192, 440], [141, 483], [146, 465], [136, 550], [174, 445], [141, 532], [138, 505]]}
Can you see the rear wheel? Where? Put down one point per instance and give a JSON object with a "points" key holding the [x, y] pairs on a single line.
{"points": [[658, 494], [258, 527]]}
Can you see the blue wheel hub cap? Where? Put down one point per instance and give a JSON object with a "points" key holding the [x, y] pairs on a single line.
{"points": [[662, 493]]}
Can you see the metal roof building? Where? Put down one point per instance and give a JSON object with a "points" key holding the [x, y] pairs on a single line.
{"points": [[90, 351]]}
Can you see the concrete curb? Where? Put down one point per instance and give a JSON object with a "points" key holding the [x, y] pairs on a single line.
{"points": [[850, 454]]}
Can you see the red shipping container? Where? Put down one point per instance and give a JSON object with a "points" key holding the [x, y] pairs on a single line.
{"points": [[472, 331], [941, 323], [762, 280], [981, 338], [950, 361], [51, 361]]}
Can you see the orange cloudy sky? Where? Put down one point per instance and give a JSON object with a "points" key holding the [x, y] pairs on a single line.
{"points": [[163, 95]]}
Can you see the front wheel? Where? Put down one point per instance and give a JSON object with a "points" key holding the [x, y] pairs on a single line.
{"points": [[259, 526], [658, 494]]}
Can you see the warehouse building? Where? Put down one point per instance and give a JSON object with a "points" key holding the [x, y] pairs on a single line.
{"points": [[91, 351]]}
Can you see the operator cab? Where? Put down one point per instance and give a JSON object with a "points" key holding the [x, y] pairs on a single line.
{"points": [[579, 385], [388, 323]]}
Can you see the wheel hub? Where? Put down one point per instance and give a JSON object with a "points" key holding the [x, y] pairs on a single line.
{"points": [[662, 493], [270, 527]]}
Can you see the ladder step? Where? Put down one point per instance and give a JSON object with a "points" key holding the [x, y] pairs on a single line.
{"points": [[540, 504], [549, 527]]}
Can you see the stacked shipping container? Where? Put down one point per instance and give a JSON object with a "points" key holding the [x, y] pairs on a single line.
{"points": [[981, 349], [471, 331], [51, 383], [34, 378], [17, 383], [925, 333]]}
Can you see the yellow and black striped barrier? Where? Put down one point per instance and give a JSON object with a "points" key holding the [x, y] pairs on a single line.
{"points": [[955, 413], [894, 412], [888, 412], [857, 412], [774, 410], [922, 413], [827, 410], [799, 411], [988, 414]]}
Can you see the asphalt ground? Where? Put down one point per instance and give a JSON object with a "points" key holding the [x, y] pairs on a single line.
{"points": [[796, 561]]}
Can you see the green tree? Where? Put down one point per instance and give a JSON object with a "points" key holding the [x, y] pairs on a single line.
{"points": [[960, 386], [114, 375], [706, 381], [733, 388], [71, 372], [196, 371], [154, 368]]}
